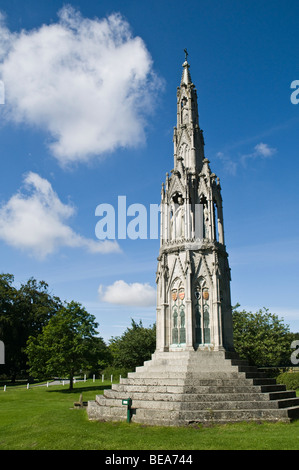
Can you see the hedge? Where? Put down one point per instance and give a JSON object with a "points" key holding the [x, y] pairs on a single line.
{"points": [[290, 379]]}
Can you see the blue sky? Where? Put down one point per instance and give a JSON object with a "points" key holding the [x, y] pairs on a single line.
{"points": [[90, 105]]}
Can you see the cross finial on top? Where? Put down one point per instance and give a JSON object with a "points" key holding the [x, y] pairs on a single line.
{"points": [[186, 54]]}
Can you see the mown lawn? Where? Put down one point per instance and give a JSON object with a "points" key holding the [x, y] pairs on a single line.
{"points": [[44, 418]]}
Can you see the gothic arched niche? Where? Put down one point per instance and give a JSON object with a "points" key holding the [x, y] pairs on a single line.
{"points": [[178, 315], [184, 154], [177, 216], [202, 312], [218, 220], [184, 110], [204, 222]]}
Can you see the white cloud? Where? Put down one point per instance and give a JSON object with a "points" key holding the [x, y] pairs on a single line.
{"points": [[88, 82], [36, 222], [264, 150], [135, 294], [261, 150], [230, 165]]}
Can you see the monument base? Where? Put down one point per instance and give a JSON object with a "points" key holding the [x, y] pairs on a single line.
{"points": [[185, 387]]}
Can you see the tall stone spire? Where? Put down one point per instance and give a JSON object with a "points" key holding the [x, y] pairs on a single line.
{"points": [[188, 137], [186, 77], [194, 376], [193, 275]]}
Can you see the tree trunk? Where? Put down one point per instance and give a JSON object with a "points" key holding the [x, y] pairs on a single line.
{"points": [[71, 381]]}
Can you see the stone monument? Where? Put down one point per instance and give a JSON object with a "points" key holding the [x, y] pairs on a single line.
{"points": [[194, 374]]}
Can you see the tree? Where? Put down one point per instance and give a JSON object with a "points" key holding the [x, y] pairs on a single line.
{"points": [[66, 344], [261, 338], [8, 332], [135, 346], [36, 305], [23, 312]]}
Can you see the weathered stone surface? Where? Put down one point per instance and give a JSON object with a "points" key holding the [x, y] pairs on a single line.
{"points": [[190, 377], [224, 394]]}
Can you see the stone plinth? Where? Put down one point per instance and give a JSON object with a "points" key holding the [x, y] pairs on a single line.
{"points": [[181, 388]]}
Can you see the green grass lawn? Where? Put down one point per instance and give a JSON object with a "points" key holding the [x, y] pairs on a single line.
{"points": [[44, 418]]}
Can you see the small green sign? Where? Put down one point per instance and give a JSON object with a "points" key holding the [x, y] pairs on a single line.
{"points": [[127, 402]]}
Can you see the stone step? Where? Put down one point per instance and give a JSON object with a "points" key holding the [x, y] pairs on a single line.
{"points": [[185, 397], [282, 395], [159, 385], [200, 405], [253, 375], [198, 355], [176, 418], [176, 373], [191, 397], [169, 374], [175, 361], [158, 369], [181, 372], [202, 376], [185, 417], [293, 412], [231, 355], [263, 381], [195, 354], [287, 402], [273, 388], [247, 368], [177, 370], [190, 362], [238, 362], [105, 413], [193, 381], [127, 389]]}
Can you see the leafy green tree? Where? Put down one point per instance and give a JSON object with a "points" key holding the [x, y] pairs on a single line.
{"points": [[98, 356], [23, 312], [135, 346], [8, 334], [36, 305], [66, 344], [261, 338]]}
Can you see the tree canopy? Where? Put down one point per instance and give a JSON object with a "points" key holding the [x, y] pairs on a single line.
{"points": [[262, 338], [23, 312], [66, 344], [134, 346]]}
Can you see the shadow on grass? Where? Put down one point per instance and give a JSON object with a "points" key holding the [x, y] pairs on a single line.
{"points": [[18, 383], [81, 389]]}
